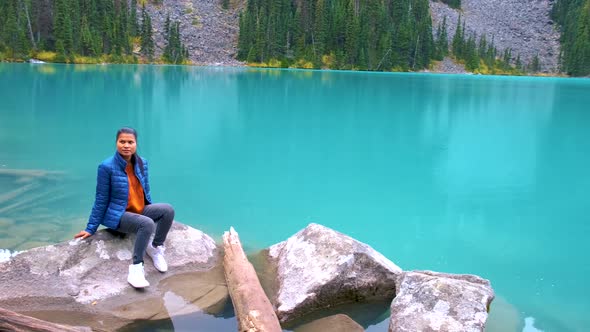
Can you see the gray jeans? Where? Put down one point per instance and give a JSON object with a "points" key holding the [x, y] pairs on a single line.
{"points": [[156, 217]]}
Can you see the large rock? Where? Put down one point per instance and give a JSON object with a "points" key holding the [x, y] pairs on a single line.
{"points": [[90, 277], [319, 268], [431, 301]]}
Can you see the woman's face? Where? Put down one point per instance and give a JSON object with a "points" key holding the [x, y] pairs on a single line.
{"points": [[126, 145]]}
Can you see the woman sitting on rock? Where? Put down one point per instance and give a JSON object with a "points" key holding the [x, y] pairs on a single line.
{"points": [[123, 203]]}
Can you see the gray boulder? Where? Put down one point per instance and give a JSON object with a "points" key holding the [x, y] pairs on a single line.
{"points": [[319, 268], [432, 301], [90, 277]]}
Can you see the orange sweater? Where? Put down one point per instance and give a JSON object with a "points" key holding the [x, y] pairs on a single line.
{"points": [[135, 200]]}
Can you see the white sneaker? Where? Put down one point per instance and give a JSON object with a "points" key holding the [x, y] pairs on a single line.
{"points": [[136, 276], [157, 256]]}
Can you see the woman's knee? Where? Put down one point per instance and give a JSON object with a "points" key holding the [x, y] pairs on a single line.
{"points": [[146, 225], [167, 209]]}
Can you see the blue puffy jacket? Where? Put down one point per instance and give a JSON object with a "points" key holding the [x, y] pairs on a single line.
{"points": [[112, 192]]}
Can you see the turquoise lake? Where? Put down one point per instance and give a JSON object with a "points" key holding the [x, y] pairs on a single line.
{"points": [[452, 173]]}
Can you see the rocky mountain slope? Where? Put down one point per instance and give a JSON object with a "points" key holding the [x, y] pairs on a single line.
{"points": [[211, 33], [522, 25]]}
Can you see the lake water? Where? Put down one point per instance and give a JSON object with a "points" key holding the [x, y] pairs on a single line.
{"points": [[453, 173]]}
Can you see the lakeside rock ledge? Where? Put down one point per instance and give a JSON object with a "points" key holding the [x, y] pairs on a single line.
{"points": [[89, 277], [84, 283], [318, 268]]}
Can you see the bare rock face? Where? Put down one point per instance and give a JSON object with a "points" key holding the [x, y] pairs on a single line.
{"points": [[318, 268], [525, 26], [90, 277], [448, 66], [209, 32], [432, 301]]}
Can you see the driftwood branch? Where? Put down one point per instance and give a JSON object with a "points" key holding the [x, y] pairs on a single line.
{"points": [[253, 309], [11, 321]]}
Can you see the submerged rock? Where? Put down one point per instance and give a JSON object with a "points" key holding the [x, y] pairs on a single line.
{"points": [[90, 276], [319, 268], [335, 323], [432, 301], [503, 316]]}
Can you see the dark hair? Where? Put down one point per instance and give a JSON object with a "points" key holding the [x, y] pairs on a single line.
{"points": [[135, 157]]}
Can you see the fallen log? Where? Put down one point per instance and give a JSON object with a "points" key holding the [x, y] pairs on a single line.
{"points": [[252, 308], [12, 321], [17, 192], [29, 173]]}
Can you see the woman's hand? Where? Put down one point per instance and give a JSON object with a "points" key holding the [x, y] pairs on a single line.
{"points": [[82, 235]]}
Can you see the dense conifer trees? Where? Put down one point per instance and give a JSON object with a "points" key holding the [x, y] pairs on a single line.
{"points": [[347, 34], [365, 35], [13, 39], [574, 18], [88, 28]]}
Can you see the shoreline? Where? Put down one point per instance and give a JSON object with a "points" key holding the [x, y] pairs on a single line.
{"points": [[241, 64]]}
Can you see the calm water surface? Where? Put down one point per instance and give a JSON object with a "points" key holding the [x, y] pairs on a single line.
{"points": [[462, 174]]}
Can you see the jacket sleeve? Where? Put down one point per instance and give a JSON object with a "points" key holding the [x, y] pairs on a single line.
{"points": [[101, 200], [147, 191]]}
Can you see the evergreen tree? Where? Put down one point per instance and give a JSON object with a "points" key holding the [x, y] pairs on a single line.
{"points": [[535, 65], [442, 43], [470, 54], [483, 47], [147, 39], [75, 20], [63, 28], [352, 29], [133, 26], [124, 25], [518, 63], [453, 3], [2, 26], [86, 38], [167, 25], [320, 31], [402, 34], [490, 57], [507, 57], [458, 40], [174, 52], [423, 51], [243, 37]]}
